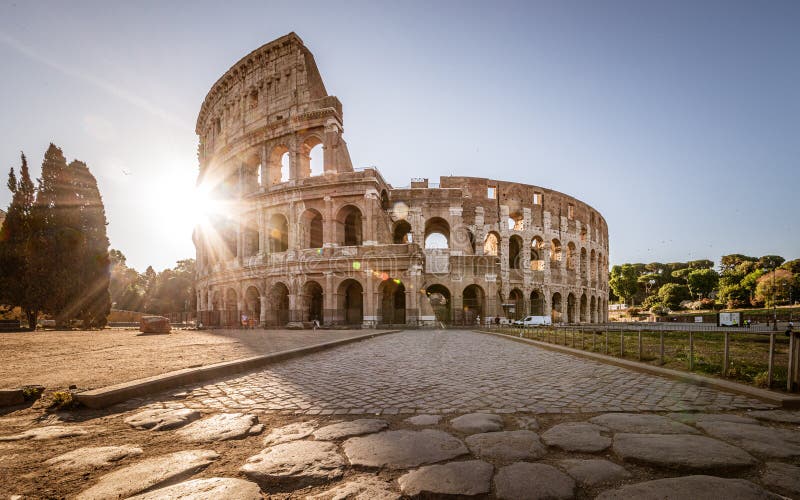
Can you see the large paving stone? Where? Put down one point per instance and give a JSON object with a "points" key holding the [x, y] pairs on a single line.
{"points": [[680, 451], [472, 423], [93, 456], [424, 419], [594, 472], [507, 445], [638, 423], [220, 427], [213, 488], [350, 428], [48, 432], [527, 422], [694, 418], [468, 478], [359, 488], [524, 480], [781, 477], [783, 416], [577, 436], [150, 473], [298, 462], [681, 488], [291, 432], [403, 449], [162, 419], [769, 441]]}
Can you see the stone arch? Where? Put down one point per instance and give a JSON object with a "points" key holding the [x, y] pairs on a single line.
{"points": [[217, 304], [517, 298], [311, 228], [251, 240], [311, 157], [593, 310], [437, 233], [350, 300], [278, 233], [252, 173], [441, 302], [516, 222], [584, 264], [584, 309], [278, 164], [515, 252], [571, 309], [555, 251], [571, 256], [349, 226], [393, 302], [537, 254], [401, 232], [537, 303], [583, 234], [474, 301], [278, 310], [231, 300], [491, 245], [313, 297], [557, 307], [252, 305], [592, 268]]}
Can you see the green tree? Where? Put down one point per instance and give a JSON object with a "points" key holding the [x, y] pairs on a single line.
{"points": [[17, 248], [672, 294], [623, 280], [773, 288], [702, 282], [770, 262]]}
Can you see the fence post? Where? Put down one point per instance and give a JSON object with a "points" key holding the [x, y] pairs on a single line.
{"points": [[594, 341], [691, 351], [725, 355], [790, 368], [661, 350], [622, 343], [771, 359], [605, 349], [583, 335], [640, 345]]}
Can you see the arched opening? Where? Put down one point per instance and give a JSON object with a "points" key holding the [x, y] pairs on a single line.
{"points": [[537, 303], [571, 309], [231, 302], [251, 174], [313, 300], [571, 256], [492, 244], [516, 222], [278, 310], [583, 234], [311, 229], [516, 301], [278, 233], [555, 313], [437, 233], [351, 302], [599, 276], [515, 252], [593, 310], [402, 232], [349, 226], [474, 300], [555, 253], [584, 265], [393, 302], [537, 254], [231, 313], [252, 306], [584, 309], [439, 297], [592, 268], [286, 167], [217, 303], [312, 162], [278, 165]]}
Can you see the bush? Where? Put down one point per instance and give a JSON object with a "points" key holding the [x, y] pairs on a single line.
{"points": [[659, 310], [62, 400], [32, 392], [761, 379], [633, 312]]}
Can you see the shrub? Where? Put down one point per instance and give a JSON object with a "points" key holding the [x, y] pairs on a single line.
{"points": [[61, 400], [761, 379], [32, 392]]}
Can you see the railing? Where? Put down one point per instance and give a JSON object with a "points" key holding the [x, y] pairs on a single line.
{"points": [[759, 358]]}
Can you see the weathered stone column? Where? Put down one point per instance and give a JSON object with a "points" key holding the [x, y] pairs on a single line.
{"points": [[328, 224], [370, 202], [263, 319]]}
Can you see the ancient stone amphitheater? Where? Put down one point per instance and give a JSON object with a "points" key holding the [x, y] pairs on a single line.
{"points": [[298, 234]]}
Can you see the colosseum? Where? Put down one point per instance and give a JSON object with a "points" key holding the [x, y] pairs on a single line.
{"points": [[300, 235]]}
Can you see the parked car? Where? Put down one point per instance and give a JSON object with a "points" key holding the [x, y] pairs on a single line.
{"points": [[533, 321]]}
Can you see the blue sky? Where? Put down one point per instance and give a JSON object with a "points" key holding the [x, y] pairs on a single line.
{"points": [[678, 121]]}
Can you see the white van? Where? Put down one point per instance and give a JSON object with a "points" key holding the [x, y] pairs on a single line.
{"points": [[534, 321]]}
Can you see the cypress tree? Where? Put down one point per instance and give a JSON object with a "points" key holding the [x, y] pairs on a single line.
{"points": [[16, 246]]}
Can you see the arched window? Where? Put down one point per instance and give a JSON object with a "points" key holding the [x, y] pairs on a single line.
{"points": [[537, 254], [437, 233], [515, 252], [349, 226], [555, 251], [492, 244], [312, 229], [278, 233], [402, 232], [571, 256]]}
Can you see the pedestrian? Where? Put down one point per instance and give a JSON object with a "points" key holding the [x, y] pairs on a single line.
{"points": [[316, 324], [478, 320]]}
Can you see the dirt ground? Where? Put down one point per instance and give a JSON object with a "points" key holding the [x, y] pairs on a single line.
{"points": [[93, 359]]}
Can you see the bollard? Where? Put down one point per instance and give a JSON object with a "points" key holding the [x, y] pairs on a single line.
{"points": [[661, 350], [691, 351]]}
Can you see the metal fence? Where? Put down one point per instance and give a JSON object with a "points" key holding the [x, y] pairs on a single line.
{"points": [[756, 357]]}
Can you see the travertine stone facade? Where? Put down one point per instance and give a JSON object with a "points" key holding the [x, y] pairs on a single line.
{"points": [[345, 247]]}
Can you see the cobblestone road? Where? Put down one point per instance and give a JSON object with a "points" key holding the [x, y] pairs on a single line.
{"points": [[453, 371]]}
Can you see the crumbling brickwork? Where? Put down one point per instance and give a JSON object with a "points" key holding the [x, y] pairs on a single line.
{"points": [[287, 245]]}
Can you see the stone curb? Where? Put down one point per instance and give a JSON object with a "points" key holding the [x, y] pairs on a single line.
{"points": [[107, 396], [782, 400]]}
